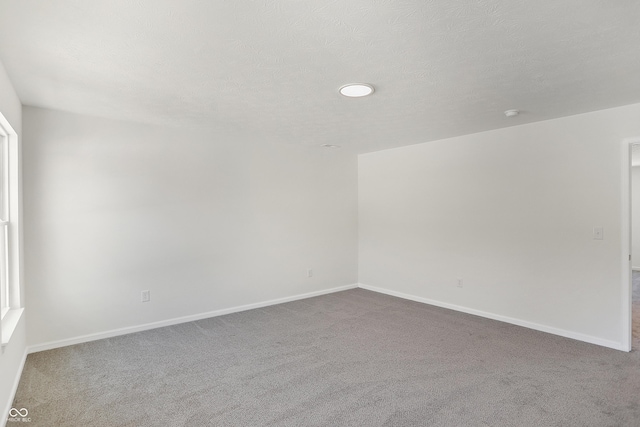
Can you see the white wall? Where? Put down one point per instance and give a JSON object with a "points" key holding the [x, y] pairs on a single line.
{"points": [[635, 217], [511, 212], [12, 357], [203, 222]]}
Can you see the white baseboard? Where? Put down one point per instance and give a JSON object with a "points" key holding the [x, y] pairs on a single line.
{"points": [[531, 325], [169, 322], [14, 390], [132, 329]]}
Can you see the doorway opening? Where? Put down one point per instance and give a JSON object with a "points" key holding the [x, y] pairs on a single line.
{"points": [[633, 269]]}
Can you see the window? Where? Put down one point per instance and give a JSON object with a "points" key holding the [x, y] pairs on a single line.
{"points": [[10, 301], [4, 225]]}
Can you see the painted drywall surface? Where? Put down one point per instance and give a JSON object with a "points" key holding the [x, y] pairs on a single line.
{"points": [[511, 212], [204, 223], [12, 356], [635, 217]]}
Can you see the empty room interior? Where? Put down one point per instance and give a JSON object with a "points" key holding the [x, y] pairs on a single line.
{"points": [[289, 213]]}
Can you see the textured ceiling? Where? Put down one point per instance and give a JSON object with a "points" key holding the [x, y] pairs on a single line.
{"points": [[272, 68]]}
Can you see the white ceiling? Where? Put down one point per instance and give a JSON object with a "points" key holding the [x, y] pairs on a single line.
{"points": [[273, 68]]}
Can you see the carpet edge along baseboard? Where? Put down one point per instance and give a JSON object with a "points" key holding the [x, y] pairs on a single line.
{"points": [[177, 320], [616, 345]]}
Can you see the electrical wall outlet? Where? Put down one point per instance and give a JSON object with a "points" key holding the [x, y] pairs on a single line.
{"points": [[309, 273], [459, 283], [145, 296], [598, 233]]}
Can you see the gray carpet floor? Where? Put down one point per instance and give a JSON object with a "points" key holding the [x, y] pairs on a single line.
{"points": [[354, 358]]}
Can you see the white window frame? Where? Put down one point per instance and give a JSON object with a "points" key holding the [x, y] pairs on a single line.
{"points": [[11, 307]]}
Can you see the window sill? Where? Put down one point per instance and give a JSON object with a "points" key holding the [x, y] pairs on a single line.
{"points": [[9, 323]]}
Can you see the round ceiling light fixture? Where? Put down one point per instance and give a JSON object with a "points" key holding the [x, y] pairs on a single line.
{"points": [[511, 113], [356, 90], [330, 146]]}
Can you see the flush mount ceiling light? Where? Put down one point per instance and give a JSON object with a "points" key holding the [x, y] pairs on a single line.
{"points": [[511, 113], [330, 146], [356, 90]]}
